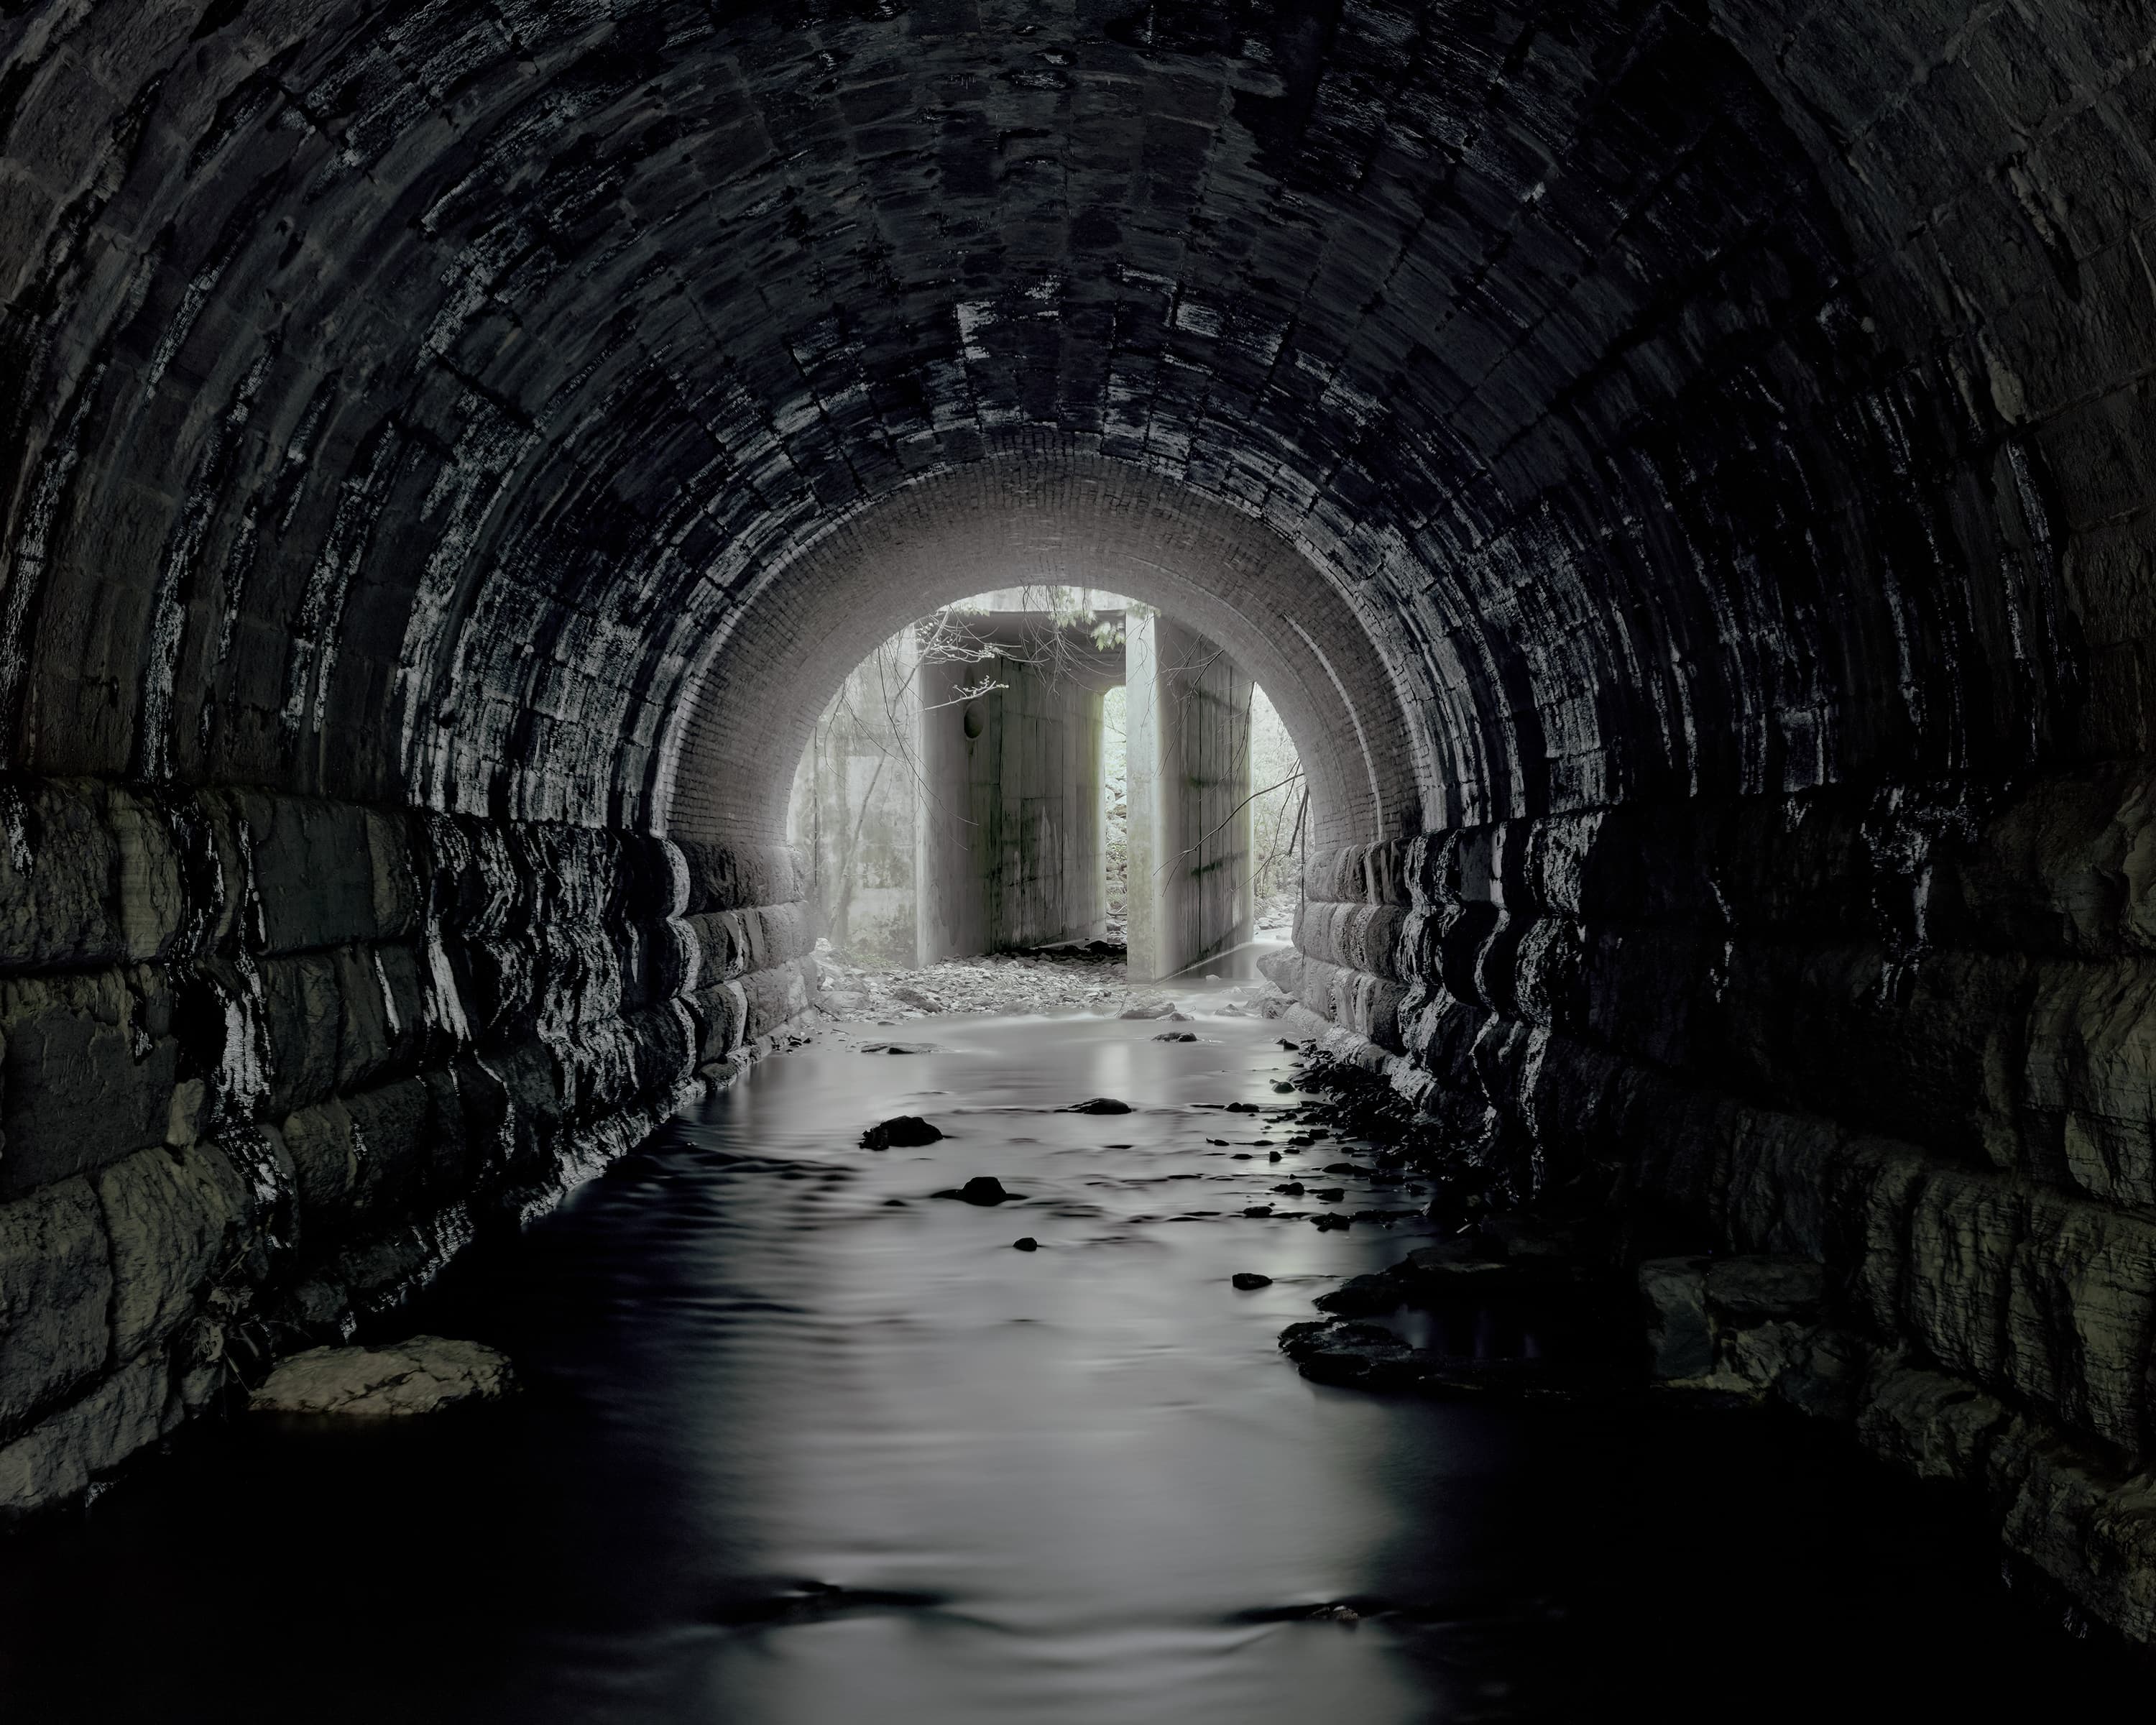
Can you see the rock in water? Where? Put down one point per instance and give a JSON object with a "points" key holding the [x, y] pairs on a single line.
{"points": [[1099, 1105], [1026, 1243], [983, 1188], [903, 1131], [1247, 1280], [1148, 1010], [421, 1376]]}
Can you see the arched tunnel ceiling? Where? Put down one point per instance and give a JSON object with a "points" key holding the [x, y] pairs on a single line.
{"points": [[1050, 516], [408, 394]]}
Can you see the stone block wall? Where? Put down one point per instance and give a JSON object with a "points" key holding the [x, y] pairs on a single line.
{"points": [[266, 1060], [1906, 1035]]}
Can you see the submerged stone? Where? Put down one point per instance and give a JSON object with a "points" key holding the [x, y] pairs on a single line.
{"points": [[1099, 1105], [901, 1132], [423, 1375], [982, 1188]]}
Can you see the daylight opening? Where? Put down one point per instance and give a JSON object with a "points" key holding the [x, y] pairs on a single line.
{"points": [[1050, 768]]}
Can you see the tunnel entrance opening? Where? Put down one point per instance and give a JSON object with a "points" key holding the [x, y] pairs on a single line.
{"points": [[1040, 767]]}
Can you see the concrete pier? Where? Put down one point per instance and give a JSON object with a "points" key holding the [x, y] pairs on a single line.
{"points": [[1189, 797], [1009, 848]]}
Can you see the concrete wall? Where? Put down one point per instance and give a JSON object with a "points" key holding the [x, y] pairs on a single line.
{"points": [[266, 1060], [1011, 847], [1189, 767]]}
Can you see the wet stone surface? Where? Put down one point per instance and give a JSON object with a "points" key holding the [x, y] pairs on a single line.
{"points": [[424, 1374], [906, 1131], [797, 1447]]}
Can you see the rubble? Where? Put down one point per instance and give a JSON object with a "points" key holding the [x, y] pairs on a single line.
{"points": [[1088, 978]]}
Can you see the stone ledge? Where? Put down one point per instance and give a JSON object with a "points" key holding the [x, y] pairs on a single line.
{"points": [[422, 1375]]}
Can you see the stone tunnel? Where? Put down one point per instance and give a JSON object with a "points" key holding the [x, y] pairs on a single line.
{"points": [[1681, 470]]}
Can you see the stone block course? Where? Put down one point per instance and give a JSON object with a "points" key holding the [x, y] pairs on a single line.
{"points": [[393, 1133], [721, 1015], [90, 1061], [2037, 1293], [90, 877], [326, 1160], [55, 1298], [311, 866], [1984, 1051], [296, 1107], [54, 1462], [172, 1219], [1368, 1005], [725, 878]]}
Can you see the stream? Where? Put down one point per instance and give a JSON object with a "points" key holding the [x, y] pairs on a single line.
{"points": [[804, 1443]]}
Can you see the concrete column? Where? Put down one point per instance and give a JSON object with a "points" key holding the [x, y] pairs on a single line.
{"points": [[1009, 849], [1190, 765]]}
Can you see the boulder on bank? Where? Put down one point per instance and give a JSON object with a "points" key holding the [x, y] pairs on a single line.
{"points": [[421, 1376]]}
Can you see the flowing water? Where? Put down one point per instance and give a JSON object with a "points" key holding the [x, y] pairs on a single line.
{"points": [[804, 1443]]}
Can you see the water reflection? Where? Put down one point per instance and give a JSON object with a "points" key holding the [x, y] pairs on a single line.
{"points": [[1082, 1463], [806, 1445]]}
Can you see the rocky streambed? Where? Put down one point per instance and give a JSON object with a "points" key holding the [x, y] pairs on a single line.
{"points": [[1083, 978]]}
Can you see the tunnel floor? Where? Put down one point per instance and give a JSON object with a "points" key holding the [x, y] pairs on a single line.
{"points": [[804, 1443]]}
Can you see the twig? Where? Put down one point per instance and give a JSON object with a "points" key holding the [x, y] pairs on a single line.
{"points": [[1232, 813]]}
